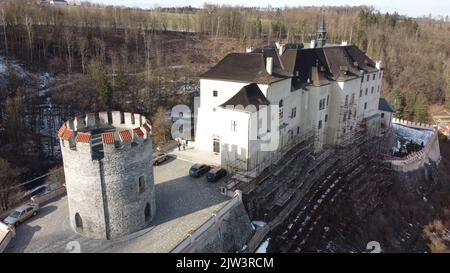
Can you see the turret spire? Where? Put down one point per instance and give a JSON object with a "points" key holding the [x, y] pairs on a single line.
{"points": [[322, 33]]}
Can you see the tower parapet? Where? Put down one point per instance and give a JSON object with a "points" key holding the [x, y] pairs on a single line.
{"points": [[109, 173]]}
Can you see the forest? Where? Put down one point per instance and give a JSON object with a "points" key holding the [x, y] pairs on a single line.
{"points": [[105, 57]]}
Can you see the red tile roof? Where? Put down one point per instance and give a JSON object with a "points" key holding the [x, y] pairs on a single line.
{"points": [[83, 137], [138, 132], [61, 130], [108, 138], [125, 135], [67, 134]]}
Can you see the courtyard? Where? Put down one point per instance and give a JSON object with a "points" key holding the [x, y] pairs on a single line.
{"points": [[182, 204]]}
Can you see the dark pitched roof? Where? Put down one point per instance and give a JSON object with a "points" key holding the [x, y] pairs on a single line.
{"points": [[384, 105], [320, 65], [248, 95], [334, 62], [247, 67]]}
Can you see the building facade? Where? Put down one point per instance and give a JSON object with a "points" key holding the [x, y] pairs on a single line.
{"points": [[108, 168], [325, 89]]}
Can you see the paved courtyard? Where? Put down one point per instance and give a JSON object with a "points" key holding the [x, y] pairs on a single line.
{"points": [[197, 156], [183, 203]]}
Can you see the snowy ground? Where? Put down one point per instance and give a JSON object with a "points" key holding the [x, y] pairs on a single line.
{"points": [[405, 134], [36, 84]]}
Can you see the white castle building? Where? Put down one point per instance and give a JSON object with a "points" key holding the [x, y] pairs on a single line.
{"points": [[325, 89]]}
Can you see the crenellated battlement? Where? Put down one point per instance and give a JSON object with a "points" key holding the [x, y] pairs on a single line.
{"points": [[413, 124], [104, 131]]}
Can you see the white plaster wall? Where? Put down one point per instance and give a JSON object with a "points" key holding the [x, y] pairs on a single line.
{"points": [[209, 119], [317, 93]]}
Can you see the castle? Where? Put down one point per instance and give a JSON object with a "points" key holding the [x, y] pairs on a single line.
{"points": [[285, 92], [109, 175]]}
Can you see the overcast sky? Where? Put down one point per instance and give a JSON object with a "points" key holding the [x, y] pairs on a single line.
{"points": [[412, 8]]}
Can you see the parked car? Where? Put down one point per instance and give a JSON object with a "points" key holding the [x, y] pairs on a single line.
{"points": [[215, 174], [21, 214], [198, 170], [160, 158]]}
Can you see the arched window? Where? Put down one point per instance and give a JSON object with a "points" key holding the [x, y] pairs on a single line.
{"points": [[147, 212], [78, 222]]}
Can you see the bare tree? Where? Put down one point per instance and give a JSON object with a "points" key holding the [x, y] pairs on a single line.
{"points": [[7, 179], [3, 20]]}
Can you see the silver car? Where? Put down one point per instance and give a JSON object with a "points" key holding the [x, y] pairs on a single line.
{"points": [[21, 214]]}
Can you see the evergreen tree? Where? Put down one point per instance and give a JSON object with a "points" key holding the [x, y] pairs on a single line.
{"points": [[161, 127], [421, 109], [97, 72], [14, 120]]}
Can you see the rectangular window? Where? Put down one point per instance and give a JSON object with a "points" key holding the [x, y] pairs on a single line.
{"points": [[362, 79], [141, 184], [360, 93], [368, 77], [346, 100], [233, 125], [378, 89], [215, 93], [345, 117], [122, 117], [320, 124], [294, 112], [326, 118], [365, 105], [352, 100], [322, 104], [382, 115], [373, 78], [373, 88], [328, 100], [280, 113], [367, 91]]}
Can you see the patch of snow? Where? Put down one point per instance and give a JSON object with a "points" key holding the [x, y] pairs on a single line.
{"points": [[259, 223], [263, 246]]}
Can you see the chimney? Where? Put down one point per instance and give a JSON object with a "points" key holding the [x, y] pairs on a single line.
{"points": [[269, 65], [281, 50], [313, 43], [344, 43], [378, 64]]}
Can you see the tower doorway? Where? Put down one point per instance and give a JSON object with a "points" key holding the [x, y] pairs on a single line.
{"points": [[147, 212], [78, 223]]}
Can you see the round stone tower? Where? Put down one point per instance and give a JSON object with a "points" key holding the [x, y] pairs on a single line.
{"points": [[109, 173]]}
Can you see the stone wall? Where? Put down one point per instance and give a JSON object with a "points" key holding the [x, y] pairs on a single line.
{"points": [[414, 161], [228, 230]]}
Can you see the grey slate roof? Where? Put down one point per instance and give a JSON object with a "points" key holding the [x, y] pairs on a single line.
{"points": [[247, 67], [248, 95], [320, 65], [384, 105]]}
